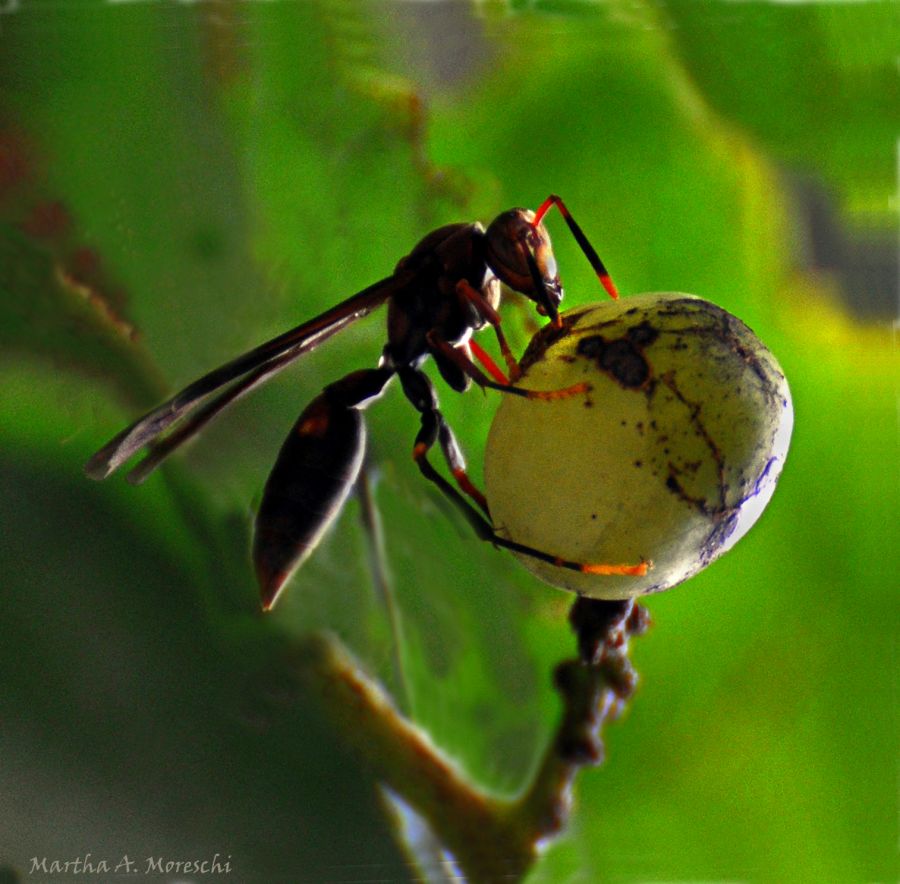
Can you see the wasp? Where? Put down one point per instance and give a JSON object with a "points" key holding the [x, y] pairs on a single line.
{"points": [[447, 288]]}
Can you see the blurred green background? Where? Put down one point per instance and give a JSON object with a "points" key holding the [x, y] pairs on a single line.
{"points": [[180, 181]]}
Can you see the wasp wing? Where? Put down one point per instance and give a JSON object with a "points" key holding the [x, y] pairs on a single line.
{"points": [[162, 446], [258, 364]]}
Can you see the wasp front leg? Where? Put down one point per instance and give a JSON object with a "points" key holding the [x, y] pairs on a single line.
{"points": [[314, 473], [469, 294], [445, 352]]}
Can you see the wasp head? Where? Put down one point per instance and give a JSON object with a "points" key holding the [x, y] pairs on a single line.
{"points": [[520, 254]]}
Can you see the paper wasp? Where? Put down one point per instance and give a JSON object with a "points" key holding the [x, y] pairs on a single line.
{"points": [[445, 289]]}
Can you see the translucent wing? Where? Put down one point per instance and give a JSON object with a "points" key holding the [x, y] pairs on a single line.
{"points": [[248, 371]]}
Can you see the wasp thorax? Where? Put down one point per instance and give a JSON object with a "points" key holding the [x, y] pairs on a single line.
{"points": [[669, 458]]}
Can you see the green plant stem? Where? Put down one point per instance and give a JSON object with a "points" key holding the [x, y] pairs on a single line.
{"points": [[490, 839]]}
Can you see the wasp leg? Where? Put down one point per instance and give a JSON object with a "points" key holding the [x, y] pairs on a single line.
{"points": [[485, 359], [381, 575], [421, 393], [314, 473], [469, 293], [435, 428], [457, 357]]}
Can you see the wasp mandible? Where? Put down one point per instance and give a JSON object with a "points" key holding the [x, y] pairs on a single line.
{"points": [[446, 288]]}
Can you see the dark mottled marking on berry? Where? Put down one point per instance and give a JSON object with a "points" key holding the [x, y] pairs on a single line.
{"points": [[711, 323], [548, 336], [620, 358], [642, 335]]}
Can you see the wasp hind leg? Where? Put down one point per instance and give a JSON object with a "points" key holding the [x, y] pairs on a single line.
{"points": [[434, 428]]}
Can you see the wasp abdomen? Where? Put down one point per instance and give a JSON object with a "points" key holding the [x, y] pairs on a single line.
{"points": [[315, 471]]}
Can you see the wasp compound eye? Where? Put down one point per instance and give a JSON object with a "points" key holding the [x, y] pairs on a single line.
{"points": [[669, 459]]}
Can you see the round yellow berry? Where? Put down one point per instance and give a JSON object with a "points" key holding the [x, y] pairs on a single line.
{"points": [[668, 458]]}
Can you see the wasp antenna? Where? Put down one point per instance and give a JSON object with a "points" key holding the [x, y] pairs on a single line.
{"points": [[586, 247], [544, 207], [609, 285]]}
